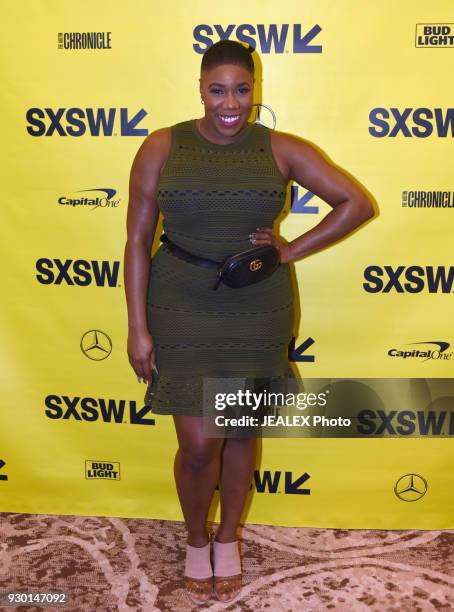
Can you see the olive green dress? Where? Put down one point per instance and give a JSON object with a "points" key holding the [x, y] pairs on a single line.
{"points": [[212, 197]]}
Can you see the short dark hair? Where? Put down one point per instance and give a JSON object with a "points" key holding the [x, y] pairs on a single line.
{"points": [[228, 52]]}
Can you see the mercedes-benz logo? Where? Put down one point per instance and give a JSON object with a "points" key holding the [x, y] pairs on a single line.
{"points": [[96, 345], [264, 115], [410, 487]]}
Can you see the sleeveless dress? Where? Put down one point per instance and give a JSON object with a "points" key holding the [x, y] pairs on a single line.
{"points": [[212, 196]]}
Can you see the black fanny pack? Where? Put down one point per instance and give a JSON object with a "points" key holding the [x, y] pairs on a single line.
{"points": [[237, 270]]}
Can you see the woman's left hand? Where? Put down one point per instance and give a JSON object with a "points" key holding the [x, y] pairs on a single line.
{"points": [[264, 235]]}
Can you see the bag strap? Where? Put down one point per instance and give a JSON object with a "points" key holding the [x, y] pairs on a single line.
{"points": [[189, 257]]}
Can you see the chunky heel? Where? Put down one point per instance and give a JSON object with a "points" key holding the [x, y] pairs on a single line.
{"points": [[227, 570], [198, 574]]}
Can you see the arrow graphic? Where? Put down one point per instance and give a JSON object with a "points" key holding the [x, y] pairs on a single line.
{"points": [[3, 476], [128, 126], [296, 354], [301, 44], [136, 417], [293, 486], [299, 204]]}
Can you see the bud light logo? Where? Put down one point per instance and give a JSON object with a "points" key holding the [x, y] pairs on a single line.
{"points": [[409, 279], [82, 121], [102, 469], [269, 38], [434, 35], [411, 122]]}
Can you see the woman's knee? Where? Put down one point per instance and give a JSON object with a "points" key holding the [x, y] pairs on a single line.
{"points": [[197, 457], [196, 451]]}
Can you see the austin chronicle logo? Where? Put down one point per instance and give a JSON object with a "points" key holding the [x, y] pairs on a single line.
{"points": [[410, 487], [96, 345]]}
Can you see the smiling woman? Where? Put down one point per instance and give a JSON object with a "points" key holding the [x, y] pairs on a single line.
{"points": [[226, 89], [220, 183]]}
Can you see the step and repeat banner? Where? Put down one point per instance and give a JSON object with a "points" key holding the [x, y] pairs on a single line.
{"points": [[82, 88]]}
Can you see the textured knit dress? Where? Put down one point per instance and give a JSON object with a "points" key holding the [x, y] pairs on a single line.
{"points": [[212, 196]]}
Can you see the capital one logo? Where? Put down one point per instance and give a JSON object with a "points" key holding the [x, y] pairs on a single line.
{"points": [[269, 38], [80, 121]]}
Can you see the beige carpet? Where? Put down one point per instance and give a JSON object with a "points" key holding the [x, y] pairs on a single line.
{"points": [[109, 564]]}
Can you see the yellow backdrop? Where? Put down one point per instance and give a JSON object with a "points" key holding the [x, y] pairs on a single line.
{"points": [[81, 89]]}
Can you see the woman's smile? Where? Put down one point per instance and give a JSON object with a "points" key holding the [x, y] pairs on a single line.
{"points": [[229, 120], [227, 94]]}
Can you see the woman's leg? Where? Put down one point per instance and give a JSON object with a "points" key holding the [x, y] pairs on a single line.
{"points": [[196, 469], [237, 469], [200, 463]]}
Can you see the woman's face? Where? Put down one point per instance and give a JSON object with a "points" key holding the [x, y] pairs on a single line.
{"points": [[227, 93]]}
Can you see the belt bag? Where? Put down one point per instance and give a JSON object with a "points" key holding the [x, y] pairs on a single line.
{"points": [[237, 270], [248, 267]]}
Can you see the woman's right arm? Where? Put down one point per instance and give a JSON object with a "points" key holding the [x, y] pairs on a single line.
{"points": [[142, 218]]}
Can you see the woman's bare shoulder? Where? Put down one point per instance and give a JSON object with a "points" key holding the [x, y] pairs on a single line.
{"points": [[159, 141], [288, 141], [293, 151], [154, 150], [286, 147]]}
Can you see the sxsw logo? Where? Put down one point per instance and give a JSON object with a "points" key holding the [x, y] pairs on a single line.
{"points": [[409, 279], [278, 482], [411, 122], [94, 409], [80, 272], [270, 38], [103, 470], [81, 121], [406, 422], [2, 475]]}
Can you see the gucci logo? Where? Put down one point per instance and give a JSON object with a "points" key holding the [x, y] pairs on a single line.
{"points": [[255, 265]]}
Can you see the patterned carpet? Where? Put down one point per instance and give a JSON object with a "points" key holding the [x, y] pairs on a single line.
{"points": [[109, 564]]}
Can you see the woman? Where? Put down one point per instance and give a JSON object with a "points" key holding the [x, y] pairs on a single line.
{"points": [[220, 183]]}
